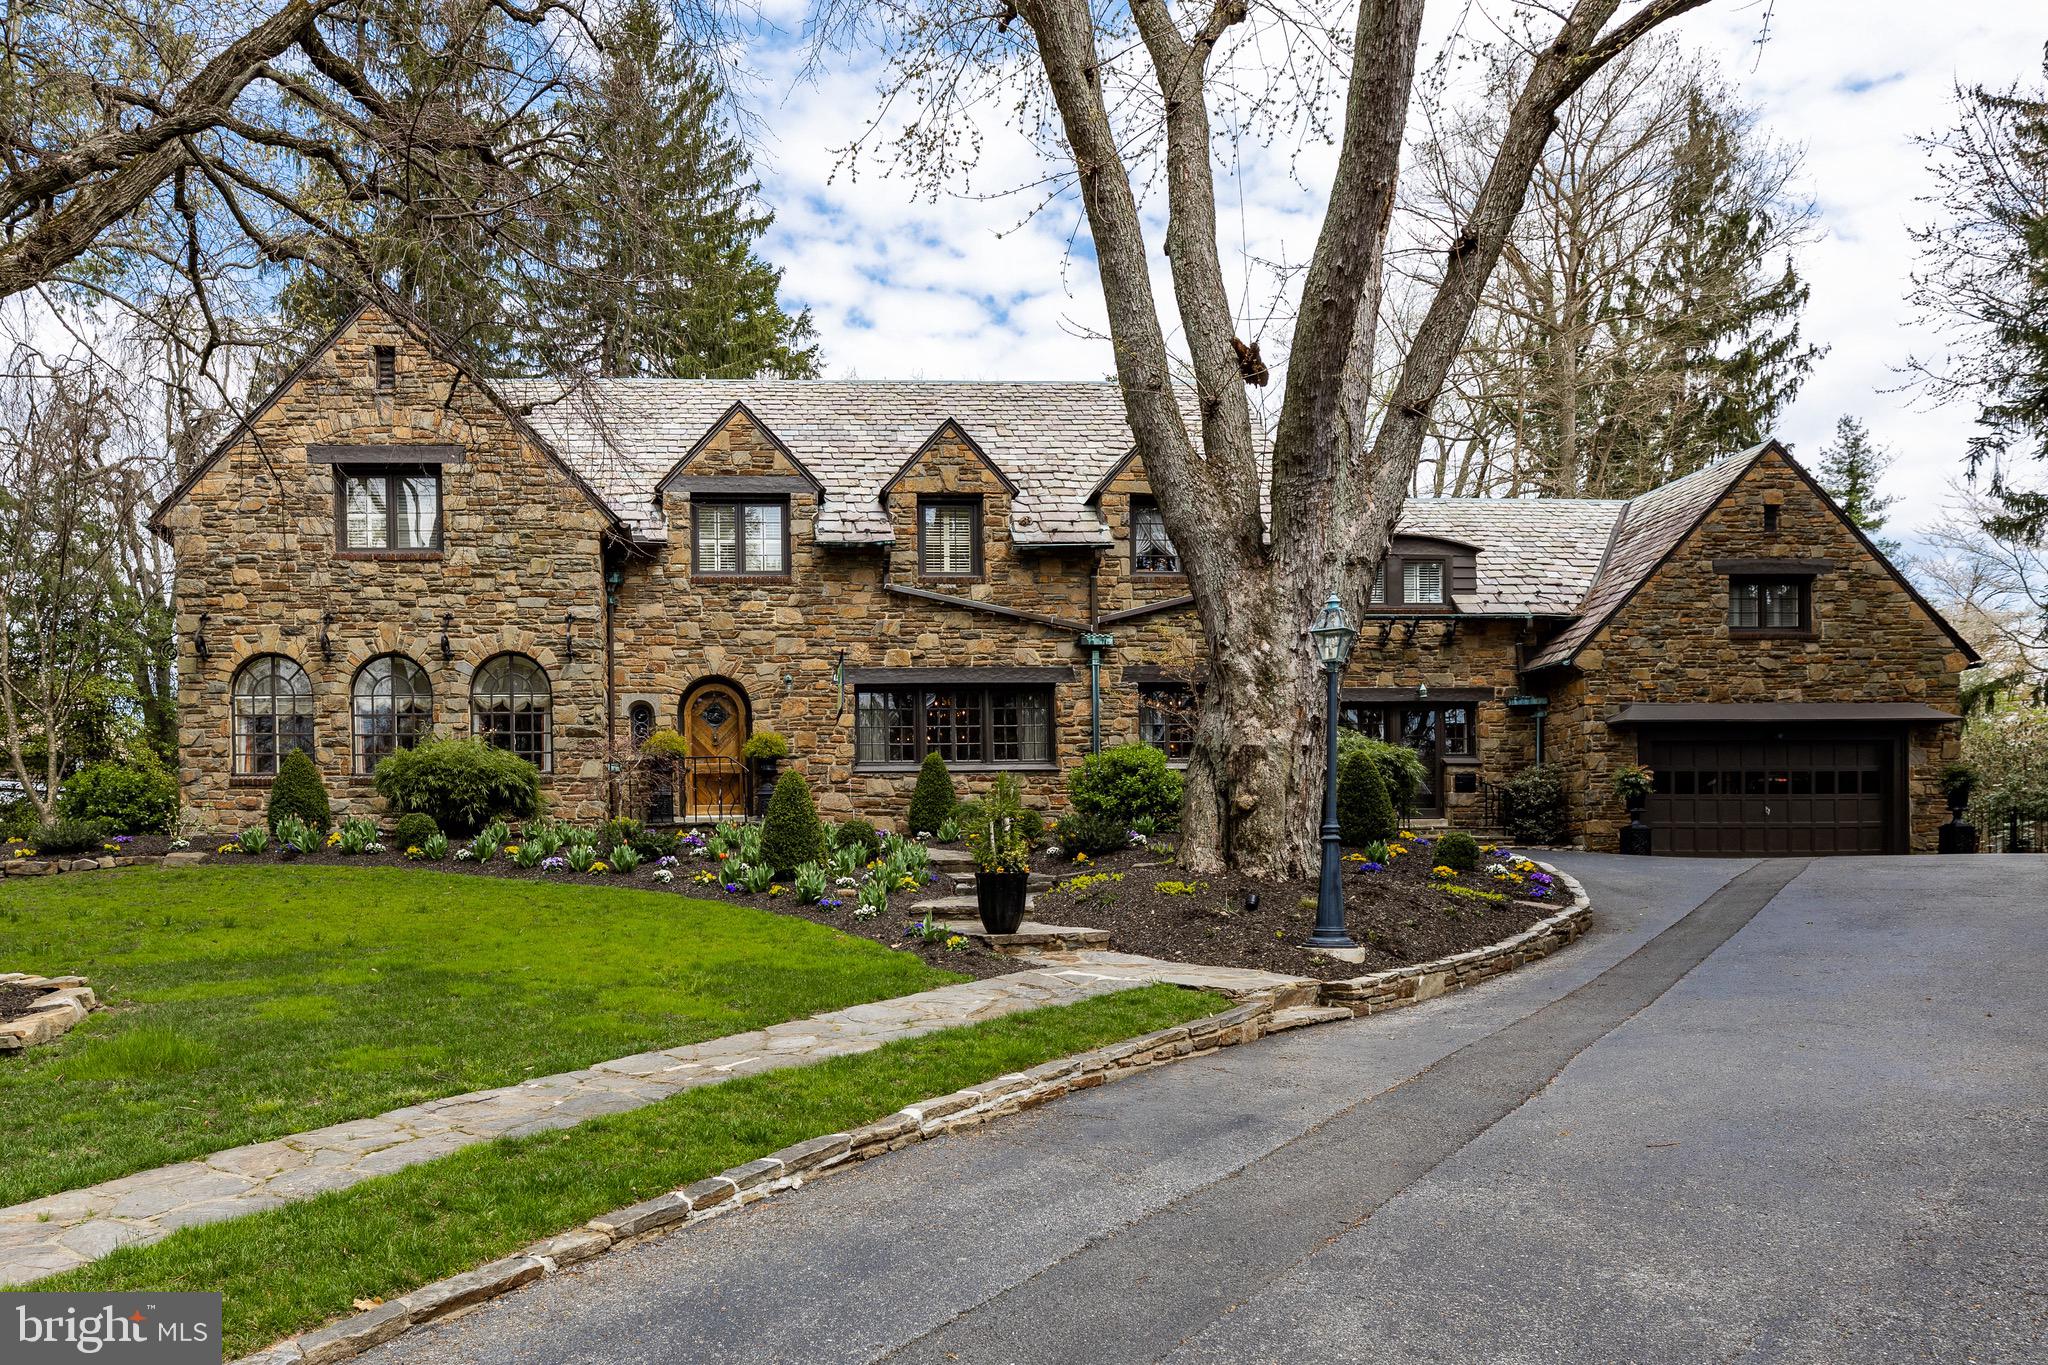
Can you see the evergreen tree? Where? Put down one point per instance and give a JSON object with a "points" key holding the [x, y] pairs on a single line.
{"points": [[659, 225], [450, 266], [1849, 471]]}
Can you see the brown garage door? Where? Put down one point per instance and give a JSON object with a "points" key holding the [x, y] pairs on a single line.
{"points": [[1758, 792]]}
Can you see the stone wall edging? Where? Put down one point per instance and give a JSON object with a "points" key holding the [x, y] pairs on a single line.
{"points": [[787, 1169], [66, 1000], [1399, 987]]}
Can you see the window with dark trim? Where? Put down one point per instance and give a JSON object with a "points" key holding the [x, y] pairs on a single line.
{"points": [[392, 703], [1770, 516], [1152, 550], [1001, 726], [386, 368], [1166, 718], [1421, 582], [1454, 731], [1770, 606], [640, 722], [949, 537], [512, 707], [731, 538], [388, 507], [273, 714]]}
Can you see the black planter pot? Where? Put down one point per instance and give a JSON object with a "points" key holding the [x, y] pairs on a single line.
{"points": [[1957, 836], [1000, 898], [766, 771], [1635, 837]]}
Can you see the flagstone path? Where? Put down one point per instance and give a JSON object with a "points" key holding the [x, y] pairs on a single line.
{"points": [[55, 1233]]}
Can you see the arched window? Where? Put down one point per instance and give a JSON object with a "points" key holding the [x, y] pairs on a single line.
{"points": [[510, 705], [273, 714], [640, 722], [393, 706]]}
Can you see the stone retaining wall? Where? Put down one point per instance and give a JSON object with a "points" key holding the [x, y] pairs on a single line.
{"points": [[1401, 986], [66, 1000], [50, 867], [784, 1170]]}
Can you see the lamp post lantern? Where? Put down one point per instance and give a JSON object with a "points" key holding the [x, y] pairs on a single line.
{"points": [[1333, 634]]}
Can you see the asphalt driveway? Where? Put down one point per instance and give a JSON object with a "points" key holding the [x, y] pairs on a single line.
{"points": [[1764, 1111]]}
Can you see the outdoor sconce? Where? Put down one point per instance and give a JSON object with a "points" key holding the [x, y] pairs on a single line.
{"points": [[326, 645], [1422, 691], [569, 638], [199, 638], [447, 649]]}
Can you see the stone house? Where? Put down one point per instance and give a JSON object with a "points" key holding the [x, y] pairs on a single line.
{"points": [[391, 546]]}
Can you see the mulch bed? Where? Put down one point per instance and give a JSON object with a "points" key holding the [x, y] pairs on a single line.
{"points": [[14, 1001], [1400, 916]]}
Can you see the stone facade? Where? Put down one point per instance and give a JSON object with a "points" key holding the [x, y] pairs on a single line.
{"points": [[529, 547]]}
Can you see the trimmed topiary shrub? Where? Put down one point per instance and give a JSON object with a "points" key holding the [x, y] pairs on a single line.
{"points": [[1129, 783], [1365, 814], [297, 790], [1533, 806], [1091, 832], [791, 832], [413, 831], [620, 832], [124, 798], [858, 834], [67, 836], [1401, 770], [1457, 850], [934, 798], [764, 744], [463, 783]]}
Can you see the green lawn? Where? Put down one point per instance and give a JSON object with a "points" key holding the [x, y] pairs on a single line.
{"points": [[295, 1267], [247, 1003]]}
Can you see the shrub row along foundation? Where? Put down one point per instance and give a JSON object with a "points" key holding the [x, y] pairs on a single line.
{"points": [[785, 1170], [1400, 986]]}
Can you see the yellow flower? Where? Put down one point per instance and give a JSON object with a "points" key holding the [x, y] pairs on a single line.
{"points": [[599, 867], [1080, 857], [1396, 850], [511, 849], [1406, 834], [1441, 871], [412, 850], [225, 848], [774, 890]]}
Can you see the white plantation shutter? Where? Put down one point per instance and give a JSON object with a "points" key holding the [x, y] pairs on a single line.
{"points": [[368, 527], [764, 538], [949, 538], [1379, 588], [1422, 582], [718, 546]]}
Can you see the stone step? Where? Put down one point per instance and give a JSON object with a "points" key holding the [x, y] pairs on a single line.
{"points": [[950, 857], [1031, 936], [946, 905], [1302, 1016], [1039, 880]]}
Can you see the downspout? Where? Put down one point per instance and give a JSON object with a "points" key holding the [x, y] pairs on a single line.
{"points": [[613, 577], [1095, 642]]}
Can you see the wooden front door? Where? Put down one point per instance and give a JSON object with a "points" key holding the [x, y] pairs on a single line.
{"points": [[715, 724]]}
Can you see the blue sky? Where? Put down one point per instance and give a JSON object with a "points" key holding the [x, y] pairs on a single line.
{"points": [[960, 288]]}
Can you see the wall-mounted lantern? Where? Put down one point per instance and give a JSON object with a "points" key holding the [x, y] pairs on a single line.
{"points": [[326, 644], [199, 637], [447, 649]]}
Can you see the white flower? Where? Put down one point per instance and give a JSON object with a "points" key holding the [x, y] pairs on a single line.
{"points": [[664, 876], [180, 845], [463, 855], [1137, 839], [865, 912], [846, 883], [373, 848]]}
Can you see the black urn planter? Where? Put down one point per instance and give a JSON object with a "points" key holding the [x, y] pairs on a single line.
{"points": [[1958, 835], [1635, 836], [1000, 898], [766, 771]]}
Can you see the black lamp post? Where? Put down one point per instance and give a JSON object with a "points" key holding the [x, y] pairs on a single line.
{"points": [[1333, 634]]}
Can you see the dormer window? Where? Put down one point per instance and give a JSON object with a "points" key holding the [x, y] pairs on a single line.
{"points": [[1412, 582], [1152, 550], [949, 537], [739, 539]]}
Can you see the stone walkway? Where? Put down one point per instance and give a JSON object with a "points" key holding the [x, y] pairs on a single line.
{"points": [[55, 1233]]}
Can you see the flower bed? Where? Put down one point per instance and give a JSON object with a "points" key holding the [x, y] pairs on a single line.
{"points": [[1402, 908]]}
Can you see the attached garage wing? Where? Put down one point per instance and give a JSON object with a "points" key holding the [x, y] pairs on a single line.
{"points": [[1777, 779]]}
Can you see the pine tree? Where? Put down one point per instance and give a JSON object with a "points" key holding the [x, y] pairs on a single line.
{"points": [[658, 231], [1850, 470]]}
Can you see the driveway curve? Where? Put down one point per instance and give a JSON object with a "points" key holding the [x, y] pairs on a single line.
{"points": [[1779, 1110]]}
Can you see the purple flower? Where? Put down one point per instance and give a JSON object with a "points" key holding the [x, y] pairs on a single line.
{"points": [[830, 903], [1540, 878], [665, 860], [1372, 867], [553, 864], [732, 887]]}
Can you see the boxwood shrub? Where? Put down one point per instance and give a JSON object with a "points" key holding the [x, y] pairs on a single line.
{"points": [[463, 783], [1365, 813], [791, 832], [413, 831], [934, 798], [1128, 783], [299, 791]]}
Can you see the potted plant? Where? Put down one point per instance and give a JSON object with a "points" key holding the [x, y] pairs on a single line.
{"points": [[1633, 783], [1002, 859], [1958, 784], [763, 753]]}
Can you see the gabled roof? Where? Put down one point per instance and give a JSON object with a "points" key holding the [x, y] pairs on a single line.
{"points": [[738, 409], [1536, 555], [439, 349], [960, 435], [1650, 528]]}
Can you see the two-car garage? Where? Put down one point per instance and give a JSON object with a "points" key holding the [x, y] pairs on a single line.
{"points": [[1775, 779]]}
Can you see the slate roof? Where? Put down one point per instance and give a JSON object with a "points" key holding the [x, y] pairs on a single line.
{"points": [[1651, 526], [1057, 442]]}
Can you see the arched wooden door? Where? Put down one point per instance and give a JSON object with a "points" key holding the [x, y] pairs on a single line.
{"points": [[715, 724]]}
